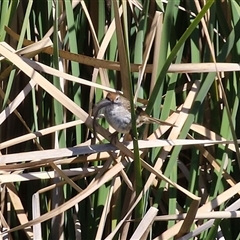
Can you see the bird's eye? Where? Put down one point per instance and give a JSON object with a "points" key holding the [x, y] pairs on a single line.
{"points": [[117, 98]]}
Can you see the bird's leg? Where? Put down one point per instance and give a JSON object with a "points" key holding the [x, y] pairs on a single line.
{"points": [[114, 138], [131, 134]]}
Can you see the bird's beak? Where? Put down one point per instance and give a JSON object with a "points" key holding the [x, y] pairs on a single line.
{"points": [[103, 103]]}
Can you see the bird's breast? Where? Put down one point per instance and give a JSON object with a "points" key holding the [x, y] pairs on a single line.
{"points": [[118, 117]]}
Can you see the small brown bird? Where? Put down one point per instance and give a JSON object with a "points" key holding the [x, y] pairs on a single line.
{"points": [[117, 111]]}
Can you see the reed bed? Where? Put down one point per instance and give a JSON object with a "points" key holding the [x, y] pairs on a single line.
{"points": [[177, 59]]}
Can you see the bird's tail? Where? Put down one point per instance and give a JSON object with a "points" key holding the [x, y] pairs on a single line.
{"points": [[148, 119], [160, 122]]}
